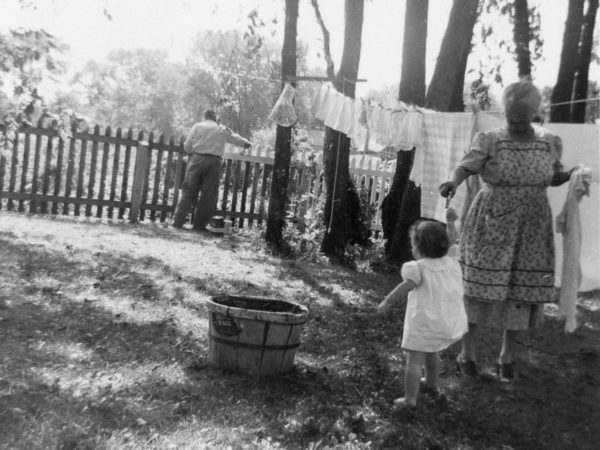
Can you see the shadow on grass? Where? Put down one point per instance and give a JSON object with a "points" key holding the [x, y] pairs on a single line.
{"points": [[86, 351], [100, 346], [93, 345]]}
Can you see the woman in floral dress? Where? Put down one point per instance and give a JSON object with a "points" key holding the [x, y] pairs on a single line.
{"points": [[507, 243]]}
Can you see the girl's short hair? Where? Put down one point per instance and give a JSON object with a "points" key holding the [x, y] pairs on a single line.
{"points": [[430, 238]]}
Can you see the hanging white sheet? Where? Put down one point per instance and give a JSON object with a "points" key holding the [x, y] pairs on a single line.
{"points": [[446, 137]]}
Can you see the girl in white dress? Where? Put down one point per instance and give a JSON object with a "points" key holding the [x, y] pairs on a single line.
{"points": [[435, 313]]}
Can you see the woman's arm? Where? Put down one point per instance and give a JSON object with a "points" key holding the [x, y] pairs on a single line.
{"points": [[398, 294], [560, 177], [449, 187]]}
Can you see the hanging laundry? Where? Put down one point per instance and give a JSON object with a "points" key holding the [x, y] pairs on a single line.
{"points": [[362, 113], [487, 120], [446, 136], [411, 130], [316, 102], [373, 118], [283, 112], [568, 223], [384, 127], [344, 122], [395, 131], [335, 107], [360, 131], [326, 99]]}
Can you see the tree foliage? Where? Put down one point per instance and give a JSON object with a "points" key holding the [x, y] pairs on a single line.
{"points": [[225, 70], [26, 58], [493, 46], [133, 89]]}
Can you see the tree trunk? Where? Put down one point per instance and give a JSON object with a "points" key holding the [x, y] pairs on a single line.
{"points": [[414, 49], [448, 76], [400, 209], [283, 139], [457, 97], [397, 211], [521, 37], [580, 89], [341, 200], [563, 89]]}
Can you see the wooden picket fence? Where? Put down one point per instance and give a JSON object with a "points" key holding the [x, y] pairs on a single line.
{"points": [[121, 176]]}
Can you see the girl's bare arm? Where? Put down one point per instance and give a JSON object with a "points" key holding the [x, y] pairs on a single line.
{"points": [[399, 293]]}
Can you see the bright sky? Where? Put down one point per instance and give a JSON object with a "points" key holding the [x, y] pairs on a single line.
{"points": [[171, 24]]}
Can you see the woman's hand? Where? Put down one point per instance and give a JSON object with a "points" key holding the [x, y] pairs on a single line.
{"points": [[447, 189], [561, 177]]}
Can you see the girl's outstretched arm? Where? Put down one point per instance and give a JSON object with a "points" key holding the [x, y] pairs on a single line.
{"points": [[451, 217], [398, 294]]}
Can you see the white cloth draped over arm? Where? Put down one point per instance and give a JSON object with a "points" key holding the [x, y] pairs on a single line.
{"points": [[568, 223]]}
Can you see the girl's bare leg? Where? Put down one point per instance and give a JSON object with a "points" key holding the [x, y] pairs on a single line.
{"points": [[432, 369], [412, 378]]}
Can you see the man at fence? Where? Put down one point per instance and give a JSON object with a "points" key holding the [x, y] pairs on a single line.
{"points": [[205, 144]]}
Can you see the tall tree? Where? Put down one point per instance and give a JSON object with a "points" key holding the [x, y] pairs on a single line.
{"points": [[447, 85], [580, 89], [342, 206], [563, 89], [522, 37], [414, 49], [401, 208], [283, 148]]}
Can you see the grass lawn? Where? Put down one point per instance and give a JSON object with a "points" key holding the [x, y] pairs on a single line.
{"points": [[104, 344]]}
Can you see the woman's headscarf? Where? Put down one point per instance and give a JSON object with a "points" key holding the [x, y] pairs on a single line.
{"points": [[522, 97]]}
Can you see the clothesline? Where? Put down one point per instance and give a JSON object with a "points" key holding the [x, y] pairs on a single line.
{"points": [[575, 101], [314, 78], [239, 75], [322, 79], [404, 107], [591, 99]]}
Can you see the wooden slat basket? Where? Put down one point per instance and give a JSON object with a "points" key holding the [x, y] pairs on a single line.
{"points": [[254, 335]]}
